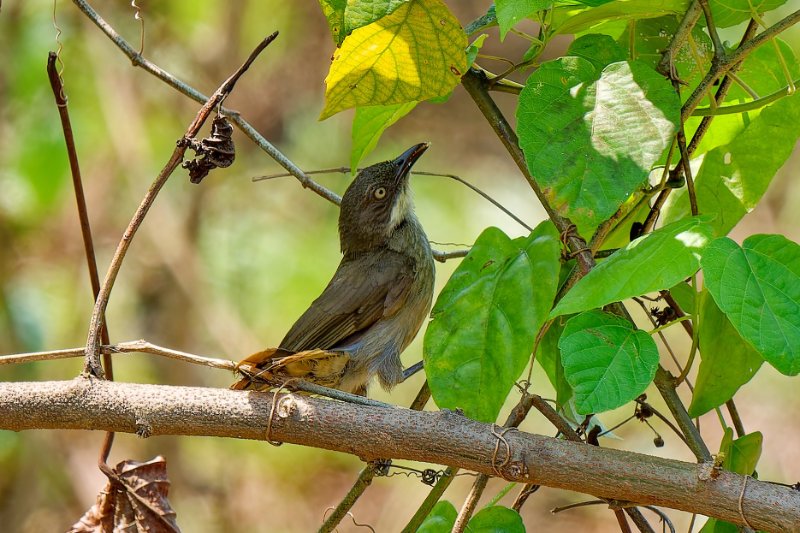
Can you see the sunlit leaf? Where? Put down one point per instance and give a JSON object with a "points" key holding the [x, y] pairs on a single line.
{"points": [[574, 19], [416, 53], [344, 16], [474, 48], [369, 124], [734, 177], [728, 13], [591, 142], [653, 35]]}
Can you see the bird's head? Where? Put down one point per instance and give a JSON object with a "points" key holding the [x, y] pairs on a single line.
{"points": [[377, 202]]}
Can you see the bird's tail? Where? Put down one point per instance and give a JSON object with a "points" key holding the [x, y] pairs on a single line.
{"points": [[272, 367]]}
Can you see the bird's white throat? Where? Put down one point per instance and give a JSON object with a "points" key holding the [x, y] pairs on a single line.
{"points": [[403, 206]]}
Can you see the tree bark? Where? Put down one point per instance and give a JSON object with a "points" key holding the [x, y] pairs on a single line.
{"points": [[372, 432]]}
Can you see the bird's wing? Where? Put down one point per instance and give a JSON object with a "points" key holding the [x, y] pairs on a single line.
{"points": [[364, 289]]}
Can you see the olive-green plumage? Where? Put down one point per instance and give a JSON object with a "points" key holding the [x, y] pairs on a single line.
{"points": [[378, 298]]}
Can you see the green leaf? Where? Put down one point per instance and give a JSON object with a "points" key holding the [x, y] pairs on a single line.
{"points": [[728, 361], [549, 357], [414, 54], [573, 19], [599, 50], [486, 319], [510, 12], [591, 142], [733, 177], [484, 22], [440, 520], [344, 16], [762, 72], [741, 456], [685, 295], [369, 124], [758, 287], [653, 36], [650, 263], [606, 361], [496, 519], [474, 48], [728, 13]]}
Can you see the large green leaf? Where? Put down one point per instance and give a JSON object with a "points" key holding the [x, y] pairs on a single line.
{"points": [[496, 519], [763, 73], [369, 124], [510, 12], [758, 287], [591, 140], [576, 19], [486, 318], [652, 36], [607, 362], [728, 362], [599, 50], [344, 16], [650, 263], [416, 53], [733, 177], [728, 13], [440, 520]]}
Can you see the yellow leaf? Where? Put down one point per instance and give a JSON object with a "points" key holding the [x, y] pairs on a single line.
{"points": [[416, 53]]}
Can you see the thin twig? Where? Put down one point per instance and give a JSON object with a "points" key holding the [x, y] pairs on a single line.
{"points": [[362, 483], [702, 128], [459, 179], [57, 84], [687, 172], [367, 473], [444, 256], [92, 363], [684, 29], [661, 514], [719, 68], [746, 106], [138, 346], [138, 61], [470, 503], [719, 49], [431, 499]]}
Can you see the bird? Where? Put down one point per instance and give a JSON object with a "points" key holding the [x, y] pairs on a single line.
{"points": [[377, 300]]}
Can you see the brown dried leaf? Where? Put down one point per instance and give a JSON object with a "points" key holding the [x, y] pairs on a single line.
{"points": [[136, 501]]}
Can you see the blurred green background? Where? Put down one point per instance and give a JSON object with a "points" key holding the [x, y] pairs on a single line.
{"points": [[224, 268]]}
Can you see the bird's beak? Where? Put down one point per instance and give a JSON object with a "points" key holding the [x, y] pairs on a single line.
{"points": [[408, 158]]}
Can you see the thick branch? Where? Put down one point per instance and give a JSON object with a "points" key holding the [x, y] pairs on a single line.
{"points": [[373, 432]]}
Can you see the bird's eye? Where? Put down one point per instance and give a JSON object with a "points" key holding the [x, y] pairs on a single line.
{"points": [[380, 193]]}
